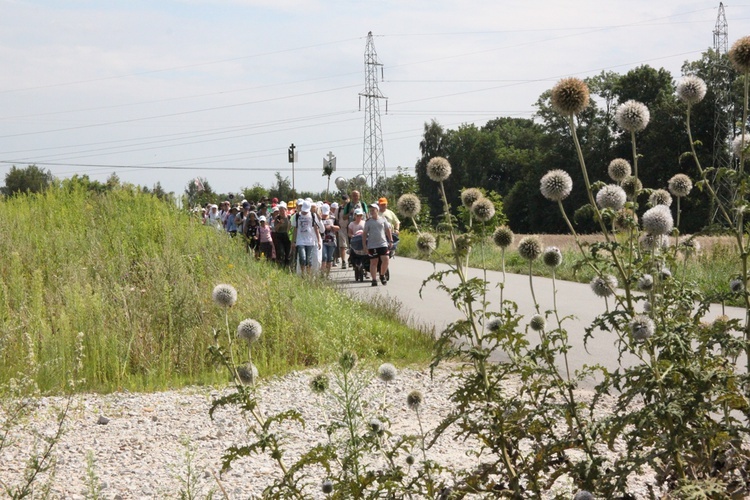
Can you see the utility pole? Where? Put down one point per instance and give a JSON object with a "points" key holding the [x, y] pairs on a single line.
{"points": [[373, 160], [292, 158], [723, 126]]}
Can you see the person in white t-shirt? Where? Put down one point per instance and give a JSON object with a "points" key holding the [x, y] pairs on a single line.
{"points": [[306, 238]]}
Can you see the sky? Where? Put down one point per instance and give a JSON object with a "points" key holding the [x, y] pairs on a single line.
{"points": [[170, 90]]}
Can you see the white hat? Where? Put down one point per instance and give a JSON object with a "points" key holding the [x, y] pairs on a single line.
{"points": [[300, 201], [262, 218], [359, 211], [375, 206], [282, 204], [306, 206], [334, 205], [325, 210], [275, 209]]}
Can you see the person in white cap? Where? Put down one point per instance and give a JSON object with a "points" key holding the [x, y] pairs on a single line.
{"points": [[266, 242], [306, 238], [329, 238], [377, 239], [281, 242]]}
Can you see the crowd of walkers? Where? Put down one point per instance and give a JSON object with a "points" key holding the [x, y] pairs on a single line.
{"points": [[311, 237]]}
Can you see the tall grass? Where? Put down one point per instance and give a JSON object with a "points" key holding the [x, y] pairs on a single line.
{"points": [[135, 275]]}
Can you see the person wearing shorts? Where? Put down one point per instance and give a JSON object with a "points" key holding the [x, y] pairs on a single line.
{"points": [[305, 238], [377, 238]]}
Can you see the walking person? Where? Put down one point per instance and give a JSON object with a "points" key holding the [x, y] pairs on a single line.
{"points": [[377, 239], [306, 238], [329, 239], [281, 241], [342, 237], [265, 246]]}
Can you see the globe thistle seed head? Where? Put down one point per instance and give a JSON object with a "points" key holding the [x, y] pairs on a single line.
{"points": [[611, 196], [665, 273], [387, 372], [632, 186], [503, 236], [463, 243], [552, 257], [680, 185], [691, 89], [319, 383], [646, 306], [224, 295], [740, 144], [347, 361], [660, 197], [538, 323], [619, 169], [530, 248], [604, 286], [653, 242], [737, 285], [721, 322], [438, 169], [327, 487], [583, 495], [625, 219], [426, 243], [494, 325], [739, 54], [409, 205], [658, 220], [410, 460], [249, 330], [632, 116], [247, 373], [483, 209], [556, 185], [645, 283], [641, 327], [570, 96], [470, 195], [375, 425], [414, 400]]}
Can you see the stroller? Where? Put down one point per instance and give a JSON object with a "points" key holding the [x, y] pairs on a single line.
{"points": [[360, 261]]}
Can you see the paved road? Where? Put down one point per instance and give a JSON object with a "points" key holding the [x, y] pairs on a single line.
{"points": [[435, 309]]}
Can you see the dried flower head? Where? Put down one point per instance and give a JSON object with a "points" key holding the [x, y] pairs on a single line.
{"points": [[556, 185], [665, 273], [327, 487], [646, 306], [642, 327], [225, 295], [319, 383], [347, 360], [691, 89], [611, 196], [387, 372], [503, 237], [538, 323], [583, 495], [680, 185], [470, 195], [737, 285], [483, 209], [530, 248], [494, 325], [619, 169], [426, 243], [739, 54], [409, 205], [660, 197], [249, 330], [645, 283], [654, 241], [570, 96], [552, 257], [247, 373], [414, 400], [438, 169], [604, 286], [632, 116], [631, 185], [658, 220], [463, 243], [410, 460], [625, 219], [740, 144], [375, 425]]}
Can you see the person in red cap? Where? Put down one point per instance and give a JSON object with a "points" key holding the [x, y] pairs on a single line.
{"points": [[389, 215]]}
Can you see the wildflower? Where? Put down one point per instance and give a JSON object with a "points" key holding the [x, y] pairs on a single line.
{"points": [[739, 54], [604, 286], [641, 327], [631, 185], [632, 116], [680, 185], [409, 205], [249, 330], [387, 372], [247, 373], [410, 460], [348, 360], [660, 197], [736, 285], [375, 425], [463, 244], [414, 400], [225, 295], [327, 486], [570, 96], [438, 169], [665, 273], [530, 248], [619, 169], [470, 195], [556, 185], [611, 196], [426, 243], [552, 257], [691, 89], [646, 306], [538, 323], [494, 325], [740, 144], [658, 220], [583, 495], [503, 237], [319, 383], [625, 219], [645, 283], [654, 241], [483, 209]]}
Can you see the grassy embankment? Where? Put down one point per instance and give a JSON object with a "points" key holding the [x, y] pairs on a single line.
{"points": [[135, 276]]}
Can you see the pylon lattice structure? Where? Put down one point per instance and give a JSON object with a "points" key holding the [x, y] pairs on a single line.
{"points": [[373, 159], [723, 128]]}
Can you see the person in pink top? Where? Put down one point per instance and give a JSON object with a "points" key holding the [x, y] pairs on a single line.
{"points": [[266, 242]]}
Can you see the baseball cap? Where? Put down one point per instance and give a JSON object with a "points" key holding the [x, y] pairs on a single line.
{"points": [[262, 218], [306, 206], [325, 210], [375, 206], [359, 212], [334, 205], [383, 201], [282, 204]]}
